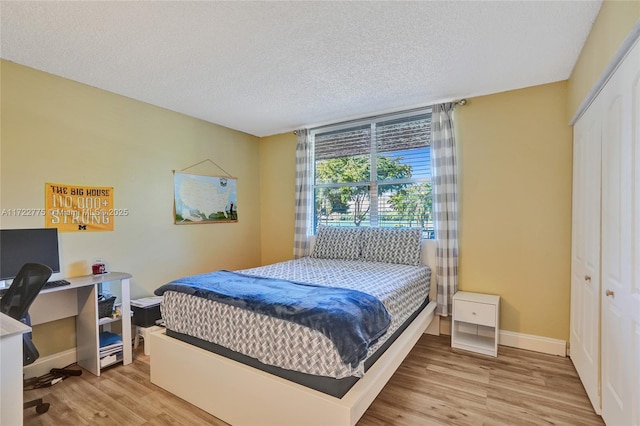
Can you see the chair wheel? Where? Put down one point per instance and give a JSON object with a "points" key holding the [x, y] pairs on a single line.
{"points": [[42, 408]]}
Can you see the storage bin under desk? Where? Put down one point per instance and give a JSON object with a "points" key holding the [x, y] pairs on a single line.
{"points": [[147, 316]]}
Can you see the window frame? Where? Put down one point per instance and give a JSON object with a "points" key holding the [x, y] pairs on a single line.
{"points": [[373, 182]]}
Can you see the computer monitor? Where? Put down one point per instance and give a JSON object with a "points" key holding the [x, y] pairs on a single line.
{"points": [[20, 246]]}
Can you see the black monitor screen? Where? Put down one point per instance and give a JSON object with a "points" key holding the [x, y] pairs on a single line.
{"points": [[20, 246]]}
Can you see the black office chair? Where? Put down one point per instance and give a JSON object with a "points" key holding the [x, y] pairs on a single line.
{"points": [[16, 302]]}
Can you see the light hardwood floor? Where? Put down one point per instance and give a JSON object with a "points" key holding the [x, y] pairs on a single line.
{"points": [[435, 385]]}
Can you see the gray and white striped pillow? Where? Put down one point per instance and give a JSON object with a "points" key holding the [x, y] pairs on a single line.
{"points": [[392, 245], [334, 242]]}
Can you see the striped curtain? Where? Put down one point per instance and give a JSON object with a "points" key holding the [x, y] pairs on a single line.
{"points": [[445, 204], [304, 200]]}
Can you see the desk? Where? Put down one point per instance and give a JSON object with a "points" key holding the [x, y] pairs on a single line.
{"points": [[11, 332], [80, 299]]}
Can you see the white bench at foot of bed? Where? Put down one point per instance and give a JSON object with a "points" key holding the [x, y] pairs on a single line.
{"points": [[243, 395]]}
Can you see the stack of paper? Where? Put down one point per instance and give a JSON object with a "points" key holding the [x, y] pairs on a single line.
{"points": [[145, 302], [110, 348]]}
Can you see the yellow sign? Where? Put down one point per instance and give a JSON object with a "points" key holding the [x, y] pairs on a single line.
{"points": [[74, 208]]}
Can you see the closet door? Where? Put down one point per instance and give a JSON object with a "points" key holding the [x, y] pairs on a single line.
{"points": [[635, 243], [620, 244], [585, 254]]}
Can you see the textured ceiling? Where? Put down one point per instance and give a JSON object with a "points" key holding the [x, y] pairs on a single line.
{"points": [[269, 67]]}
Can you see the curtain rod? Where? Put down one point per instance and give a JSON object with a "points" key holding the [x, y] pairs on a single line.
{"points": [[461, 102]]}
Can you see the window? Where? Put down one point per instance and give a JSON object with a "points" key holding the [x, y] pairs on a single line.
{"points": [[374, 172]]}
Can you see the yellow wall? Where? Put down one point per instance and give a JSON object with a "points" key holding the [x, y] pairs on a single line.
{"points": [[515, 206], [515, 200], [57, 130], [614, 22], [277, 196]]}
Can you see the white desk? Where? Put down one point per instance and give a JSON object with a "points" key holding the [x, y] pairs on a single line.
{"points": [[11, 332], [80, 299]]}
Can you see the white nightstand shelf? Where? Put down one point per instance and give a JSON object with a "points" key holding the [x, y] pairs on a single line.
{"points": [[475, 322]]}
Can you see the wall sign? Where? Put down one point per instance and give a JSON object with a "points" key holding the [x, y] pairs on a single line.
{"points": [[80, 208]]}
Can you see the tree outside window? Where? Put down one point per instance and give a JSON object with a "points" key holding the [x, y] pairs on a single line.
{"points": [[375, 173]]}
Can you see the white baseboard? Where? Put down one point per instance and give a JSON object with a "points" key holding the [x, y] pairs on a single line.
{"points": [[530, 342], [44, 364]]}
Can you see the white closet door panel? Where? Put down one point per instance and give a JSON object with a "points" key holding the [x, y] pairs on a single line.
{"points": [[635, 242], [620, 112], [635, 415], [585, 262]]}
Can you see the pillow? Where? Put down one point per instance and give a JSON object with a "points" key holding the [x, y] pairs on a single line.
{"points": [[392, 245], [334, 242]]}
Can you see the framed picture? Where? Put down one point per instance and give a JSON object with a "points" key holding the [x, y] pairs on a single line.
{"points": [[204, 199]]}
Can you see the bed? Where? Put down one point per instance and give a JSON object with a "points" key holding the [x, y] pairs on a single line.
{"points": [[278, 372]]}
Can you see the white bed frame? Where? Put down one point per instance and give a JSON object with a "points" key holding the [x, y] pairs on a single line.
{"points": [[243, 395]]}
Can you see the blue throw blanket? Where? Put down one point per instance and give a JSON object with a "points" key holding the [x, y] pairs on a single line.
{"points": [[352, 320]]}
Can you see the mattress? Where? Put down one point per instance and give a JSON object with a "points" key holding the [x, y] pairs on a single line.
{"points": [[403, 290]]}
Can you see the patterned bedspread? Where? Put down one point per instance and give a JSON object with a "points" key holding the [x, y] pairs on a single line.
{"points": [[401, 288]]}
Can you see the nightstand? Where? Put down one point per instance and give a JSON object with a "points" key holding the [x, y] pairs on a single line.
{"points": [[475, 322]]}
